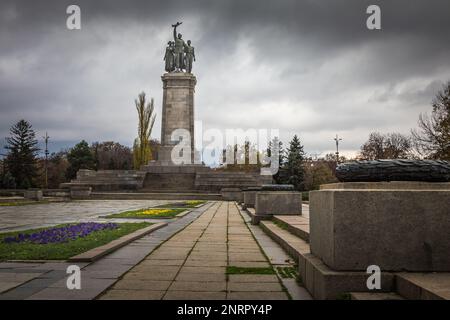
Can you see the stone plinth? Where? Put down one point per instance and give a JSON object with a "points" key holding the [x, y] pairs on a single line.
{"points": [[231, 194], [356, 225], [250, 197], [33, 194], [78, 192], [268, 203], [177, 113]]}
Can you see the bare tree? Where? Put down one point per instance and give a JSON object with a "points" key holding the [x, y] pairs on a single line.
{"points": [[141, 148], [432, 140], [386, 146]]}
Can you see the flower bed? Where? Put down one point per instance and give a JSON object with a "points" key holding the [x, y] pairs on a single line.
{"points": [[149, 213], [60, 234], [63, 241], [182, 204]]}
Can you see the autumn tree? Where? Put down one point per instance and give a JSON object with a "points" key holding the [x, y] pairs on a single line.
{"points": [[318, 173], [386, 146], [142, 153], [432, 140], [110, 155]]}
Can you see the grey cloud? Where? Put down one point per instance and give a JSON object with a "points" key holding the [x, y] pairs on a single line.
{"points": [[309, 67]]}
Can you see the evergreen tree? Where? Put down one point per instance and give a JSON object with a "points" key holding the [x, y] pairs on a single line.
{"points": [[295, 172], [278, 177], [21, 160], [79, 157]]}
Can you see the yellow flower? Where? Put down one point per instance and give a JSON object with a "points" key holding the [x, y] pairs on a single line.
{"points": [[154, 211]]}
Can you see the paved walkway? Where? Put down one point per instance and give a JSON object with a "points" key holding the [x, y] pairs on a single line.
{"points": [[192, 264], [48, 214], [47, 280]]}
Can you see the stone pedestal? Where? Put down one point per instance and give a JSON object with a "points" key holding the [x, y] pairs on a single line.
{"points": [[33, 194], [268, 203], [395, 225], [79, 192], [250, 197], [231, 194], [177, 113]]}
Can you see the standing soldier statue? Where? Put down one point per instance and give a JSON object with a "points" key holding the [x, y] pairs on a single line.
{"points": [[189, 56], [179, 48], [169, 57]]}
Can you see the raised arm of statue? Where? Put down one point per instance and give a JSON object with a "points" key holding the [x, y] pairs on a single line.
{"points": [[175, 30]]}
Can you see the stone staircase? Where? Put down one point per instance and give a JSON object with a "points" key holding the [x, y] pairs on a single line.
{"points": [[108, 180], [292, 234], [216, 180]]}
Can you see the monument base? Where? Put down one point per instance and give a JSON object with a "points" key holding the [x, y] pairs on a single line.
{"points": [[398, 226]]}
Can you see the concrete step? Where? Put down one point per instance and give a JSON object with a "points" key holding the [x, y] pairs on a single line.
{"points": [[321, 281], [296, 225], [375, 296], [295, 246], [423, 286], [153, 196]]}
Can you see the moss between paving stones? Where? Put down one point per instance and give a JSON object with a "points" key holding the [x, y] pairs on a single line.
{"points": [[287, 272], [62, 251], [138, 214], [242, 270]]}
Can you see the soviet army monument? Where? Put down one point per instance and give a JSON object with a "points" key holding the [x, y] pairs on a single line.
{"points": [[178, 168]]}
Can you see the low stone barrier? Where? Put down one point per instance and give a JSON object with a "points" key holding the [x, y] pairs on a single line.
{"points": [[276, 200], [33, 194], [250, 197], [79, 193], [231, 194], [378, 223]]}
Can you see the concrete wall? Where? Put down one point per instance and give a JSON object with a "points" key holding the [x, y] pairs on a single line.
{"points": [[394, 229]]}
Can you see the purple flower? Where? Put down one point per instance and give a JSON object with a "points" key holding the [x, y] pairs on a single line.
{"points": [[61, 234]]}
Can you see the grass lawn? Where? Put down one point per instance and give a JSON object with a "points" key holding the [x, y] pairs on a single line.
{"points": [[149, 213], [241, 270], [64, 250], [21, 203], [182, 204]]}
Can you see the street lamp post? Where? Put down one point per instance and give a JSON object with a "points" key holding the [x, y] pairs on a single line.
{"points": [[337, 139], [46, 137]]}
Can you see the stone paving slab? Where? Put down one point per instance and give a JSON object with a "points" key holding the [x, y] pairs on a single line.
{"points": [[97, 253], [48, 214], [97, 276], [202, 251], [133, 295]]}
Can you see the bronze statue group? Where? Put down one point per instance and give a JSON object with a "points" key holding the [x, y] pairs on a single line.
{"points": [[179, 54]]}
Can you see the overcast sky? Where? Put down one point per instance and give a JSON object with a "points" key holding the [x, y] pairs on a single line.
{"points": [[305, 67]]}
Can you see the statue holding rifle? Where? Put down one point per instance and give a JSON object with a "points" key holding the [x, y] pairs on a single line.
{"points": [[179, 55]]}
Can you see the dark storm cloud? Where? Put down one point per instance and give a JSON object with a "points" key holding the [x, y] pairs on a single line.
{"points": [[310, 67]]}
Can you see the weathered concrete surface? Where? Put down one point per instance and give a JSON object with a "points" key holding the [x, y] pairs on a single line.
{"points": [[78, 192], [192, 264], [33, 194], [269, 203], [393, 229], [231, 194], [177, 111], [249, 199], [392, 185]]}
